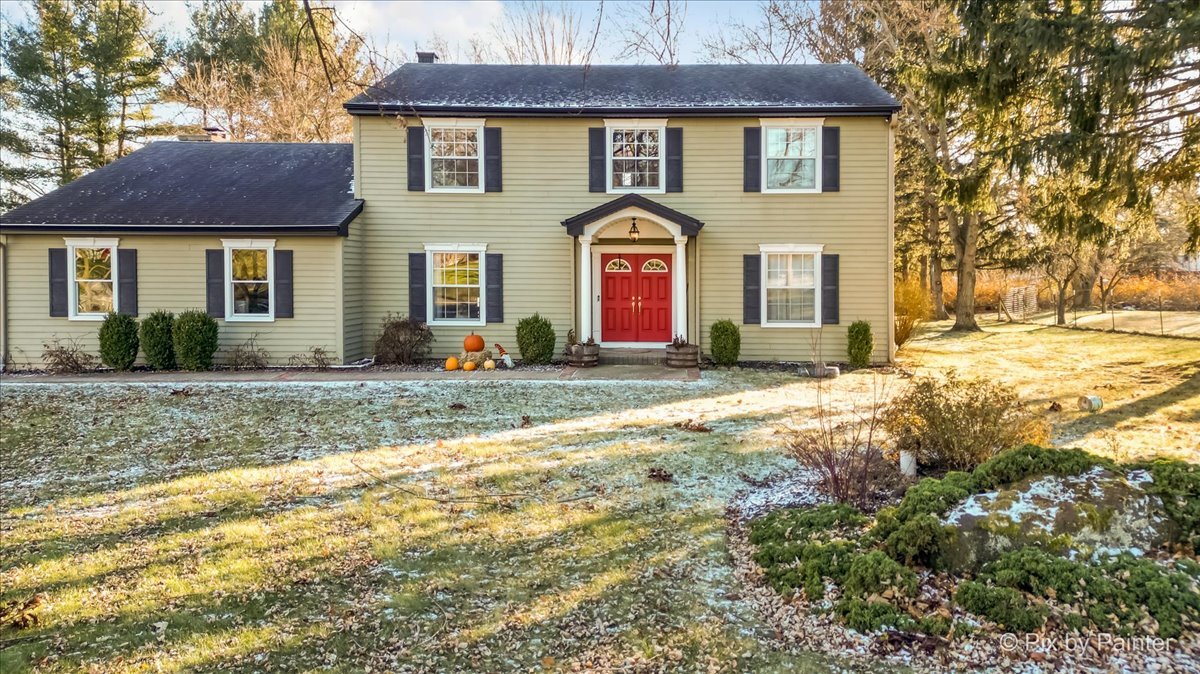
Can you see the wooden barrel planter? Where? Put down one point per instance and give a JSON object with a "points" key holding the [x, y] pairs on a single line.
{"points": [[687, 355], [583, 355]]}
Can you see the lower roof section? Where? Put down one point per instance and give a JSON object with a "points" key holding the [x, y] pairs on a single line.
{"points": [[179, 187]]}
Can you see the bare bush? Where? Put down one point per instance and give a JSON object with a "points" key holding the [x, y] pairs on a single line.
{"points": [[843, 448], [66, 357], [403, 340], [316, 357], [249, 355]]}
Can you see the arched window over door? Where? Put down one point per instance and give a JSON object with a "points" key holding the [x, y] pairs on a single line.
{"points": [[654, 265], [618, 265]]}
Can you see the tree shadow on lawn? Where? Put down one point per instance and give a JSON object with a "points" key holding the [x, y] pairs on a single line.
{"points": [[1109, 417], [542, 579], [536, 566]]}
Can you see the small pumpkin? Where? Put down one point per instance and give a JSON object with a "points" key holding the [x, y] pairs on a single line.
{"points": [[489, 364], [469, 365], [451, 363], [473, 342]]}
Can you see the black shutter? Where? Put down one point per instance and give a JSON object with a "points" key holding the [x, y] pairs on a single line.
{"points": [[751, 290], [752, 160], [127, 300], [596, 160], [495, 288], [492, 181], [829, 289], [285, 306], [416, 159], [416, 286], [214, 285], [675, 159], [831, 152], [58, 281]]}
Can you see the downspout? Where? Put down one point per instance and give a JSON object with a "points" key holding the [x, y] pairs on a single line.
{"points": [[891, 224]]}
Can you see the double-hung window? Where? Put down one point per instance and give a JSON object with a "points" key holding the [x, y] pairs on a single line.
{"points": [[92, 291], [454, 156], [249, 279], [791, 285], [635, 155], [791, 155], [456, 284]]}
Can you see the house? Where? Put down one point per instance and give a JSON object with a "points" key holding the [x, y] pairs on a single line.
{"points": [[631, 203]]}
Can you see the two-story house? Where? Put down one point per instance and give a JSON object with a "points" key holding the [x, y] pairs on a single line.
{"points": [[629, 203]]}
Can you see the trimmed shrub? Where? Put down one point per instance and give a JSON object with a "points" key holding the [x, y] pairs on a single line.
{"points": [[403, 340], [860, 343], [1177, 483], [919, 540], [535, 340], [866, 616], [195, 339], [66, 357], [1019, 463], [118, 341], [725, 340], [960, 423], [875, 572], [156, 339]]}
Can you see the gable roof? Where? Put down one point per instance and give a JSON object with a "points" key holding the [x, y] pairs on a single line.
{"points": [[190, 187], [684, 90], [576, 223]]}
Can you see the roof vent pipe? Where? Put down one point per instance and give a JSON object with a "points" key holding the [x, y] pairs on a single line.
{"points": [[427, 57]]}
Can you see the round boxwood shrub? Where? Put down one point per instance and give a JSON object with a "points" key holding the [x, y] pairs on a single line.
{"points": [[535, 339], [118, 341], [195, 339], [726, 342], [157, 342], [859, 344]]}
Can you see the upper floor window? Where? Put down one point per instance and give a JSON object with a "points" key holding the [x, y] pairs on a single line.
{"points": [[92, 291], [250, 279], [456, 284], [454, 156], [791, 285], [791, 155], [635, 155]]}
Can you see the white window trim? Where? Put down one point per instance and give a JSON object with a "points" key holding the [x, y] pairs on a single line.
{"points": [[766, 249], [791, 123], [255, 244], [612, 124], [72, 287], [481, 249], [453, 123]]}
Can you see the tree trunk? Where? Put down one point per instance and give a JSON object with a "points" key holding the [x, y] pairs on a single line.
{"points": [[965, 233], [1083, 289], [933, 236], [1060, 303]]}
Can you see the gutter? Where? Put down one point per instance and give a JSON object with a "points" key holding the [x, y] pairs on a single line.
{"points": [[317, 230], [726, 111]]}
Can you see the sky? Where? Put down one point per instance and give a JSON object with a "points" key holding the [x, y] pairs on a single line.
{"points": [[398, 26]]}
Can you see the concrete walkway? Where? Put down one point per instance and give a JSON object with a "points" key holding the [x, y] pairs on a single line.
{"points": [[282, 375]]}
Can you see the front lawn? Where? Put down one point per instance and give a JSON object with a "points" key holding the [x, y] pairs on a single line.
{"points": [[443, 526]]}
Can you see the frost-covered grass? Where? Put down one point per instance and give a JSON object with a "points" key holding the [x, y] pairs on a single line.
{"points": [[246, 527]]}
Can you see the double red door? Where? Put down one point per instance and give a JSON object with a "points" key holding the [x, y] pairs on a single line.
{"points": [[635, 297]]}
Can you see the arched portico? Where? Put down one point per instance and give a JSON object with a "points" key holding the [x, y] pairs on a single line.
{"points": [[604, 231]]}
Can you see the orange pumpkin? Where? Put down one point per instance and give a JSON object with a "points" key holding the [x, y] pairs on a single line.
{"points": [[451, 363], [473, 342], [469, 365]]}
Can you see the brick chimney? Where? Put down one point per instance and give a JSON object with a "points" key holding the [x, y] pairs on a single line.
{"points": [[427, 57]]}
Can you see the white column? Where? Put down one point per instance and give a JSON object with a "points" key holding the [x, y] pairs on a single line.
{"points": [[585, 288], [680, 300]]}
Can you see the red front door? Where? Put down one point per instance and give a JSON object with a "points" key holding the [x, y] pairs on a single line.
{"points": [[635, 297]]}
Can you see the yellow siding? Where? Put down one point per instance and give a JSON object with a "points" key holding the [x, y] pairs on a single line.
{"points": [[546, 180], [171, 276], [352, 294]]}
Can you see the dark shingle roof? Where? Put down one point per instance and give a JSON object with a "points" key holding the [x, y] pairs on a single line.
{"points": [[183, 187], [679, 90]]}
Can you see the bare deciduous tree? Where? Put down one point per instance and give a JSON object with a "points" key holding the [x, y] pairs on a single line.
{"points": [[541, 33], [649, 31], [773, 39]]}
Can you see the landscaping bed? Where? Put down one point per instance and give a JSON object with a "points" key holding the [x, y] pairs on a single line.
{"points": [[1036, 587]]}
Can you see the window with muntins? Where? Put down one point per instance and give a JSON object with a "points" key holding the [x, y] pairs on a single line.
{"points": [[635, 159], [791, 285], [457, 286], [93, 282], [791, 157], [455, 154], [250, 282]]}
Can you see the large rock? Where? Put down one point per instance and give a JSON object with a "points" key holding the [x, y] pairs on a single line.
{"points": [[1094, 514]]}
